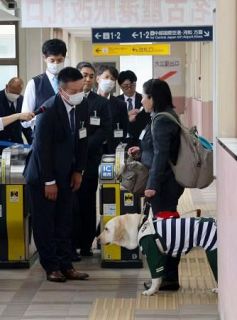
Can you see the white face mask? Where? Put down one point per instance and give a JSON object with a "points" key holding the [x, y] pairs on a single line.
{"points": [[54, 68], [12, 96], [75, 99], [106, 85]]}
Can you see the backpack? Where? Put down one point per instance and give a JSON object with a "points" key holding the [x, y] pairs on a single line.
{"points": [[133, 176], [194, 165]]}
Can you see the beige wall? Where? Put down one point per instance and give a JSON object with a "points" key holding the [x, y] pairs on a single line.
{"points": [[227, 226], [31, 61], [226, 67]]}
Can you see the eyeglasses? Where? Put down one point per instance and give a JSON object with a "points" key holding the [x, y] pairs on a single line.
{"points": [[128, 86]]}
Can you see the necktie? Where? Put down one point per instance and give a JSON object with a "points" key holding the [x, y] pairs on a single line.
{"points": [[72, 120], [130, 106], [12, 108], [55, 84]]}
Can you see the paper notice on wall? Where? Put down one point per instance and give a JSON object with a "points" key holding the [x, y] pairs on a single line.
{"points": [[168, 69]]}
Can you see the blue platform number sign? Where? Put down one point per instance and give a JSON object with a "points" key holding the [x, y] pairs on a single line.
{"points": [[107, 171]]}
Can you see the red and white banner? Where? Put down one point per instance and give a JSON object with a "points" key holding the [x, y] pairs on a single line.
{"points": [[115, 13]]}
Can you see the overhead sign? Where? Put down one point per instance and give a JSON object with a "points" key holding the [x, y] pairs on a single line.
{"points": [[128, 50], [115, 13], [157, 34], [168, 69]]}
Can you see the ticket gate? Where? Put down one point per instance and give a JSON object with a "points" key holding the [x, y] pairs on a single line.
{"points": [[115, 201], [17, 247]]}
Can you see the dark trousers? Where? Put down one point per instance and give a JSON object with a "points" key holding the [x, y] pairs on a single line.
{"points": [[52, 223], [84, 213], [167, 196]]}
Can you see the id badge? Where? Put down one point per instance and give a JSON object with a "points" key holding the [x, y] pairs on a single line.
{"points": [[95, 121], [82, 133], [142, 134], [118, 133]]}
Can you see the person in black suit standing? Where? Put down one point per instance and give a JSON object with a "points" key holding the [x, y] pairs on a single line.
{"points": [[11, 103], [138, 118], [54, 171], [100, 126], [106, 79]]}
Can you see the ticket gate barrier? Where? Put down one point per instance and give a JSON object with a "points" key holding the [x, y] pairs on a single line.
{"points": [[115, 201], [17, 249]]}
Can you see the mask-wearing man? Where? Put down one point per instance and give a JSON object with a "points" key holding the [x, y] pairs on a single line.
{"points": [[11, 103], [106, 80], [54, 171], [138, 118], [42, 87], [100, 127]]}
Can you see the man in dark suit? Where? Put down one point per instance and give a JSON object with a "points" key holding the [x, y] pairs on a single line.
{"points": [[106, 79], [84, 226], [138, 118], [11, 103], [54, 170]]}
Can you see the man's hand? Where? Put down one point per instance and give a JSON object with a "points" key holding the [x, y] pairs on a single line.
{"points": [[51, 192], [26, 116], [132, 115], [76, 180], [149, 193]]}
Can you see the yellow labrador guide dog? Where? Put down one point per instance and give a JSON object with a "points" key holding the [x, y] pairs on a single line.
{"points": [[160, 237]]}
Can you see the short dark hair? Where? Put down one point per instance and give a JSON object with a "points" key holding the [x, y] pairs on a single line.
{"points": [[69, 74], [102, 68], [54, 47], [126, 75], [85, 64], [160, 92]]}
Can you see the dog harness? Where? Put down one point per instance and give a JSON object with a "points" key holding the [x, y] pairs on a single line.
{"points": [[158, 238]]}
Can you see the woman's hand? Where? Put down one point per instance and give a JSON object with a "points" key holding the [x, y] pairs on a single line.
{"points": [[133, 151], [149, 193]]}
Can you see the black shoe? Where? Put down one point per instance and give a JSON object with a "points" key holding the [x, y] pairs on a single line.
{"points": [[86, 253], [56, 276], [165, 285], [169, 286]]}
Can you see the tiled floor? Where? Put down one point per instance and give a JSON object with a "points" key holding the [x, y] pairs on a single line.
{"points": [[113, 294]]}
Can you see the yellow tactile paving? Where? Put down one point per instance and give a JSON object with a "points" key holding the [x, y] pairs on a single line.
{"points": [[196, 278]]}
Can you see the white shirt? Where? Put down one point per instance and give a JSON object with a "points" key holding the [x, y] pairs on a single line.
{"points": [[1, 125], [133, 100], [28, 104], [69, 107]]}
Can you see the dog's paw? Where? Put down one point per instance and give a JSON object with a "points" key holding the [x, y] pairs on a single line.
{"points": [[214, 290], [148, 292]]}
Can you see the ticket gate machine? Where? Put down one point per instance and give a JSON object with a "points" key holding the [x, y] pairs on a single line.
{"points": [[17, 247], [115, 201]]}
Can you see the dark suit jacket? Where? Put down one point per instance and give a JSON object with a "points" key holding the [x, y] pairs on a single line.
{"points": [[97, 134], [135, 128], [13, 132], [119, 115], [56, 153]]}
